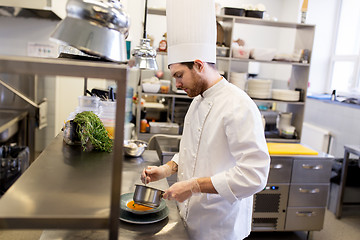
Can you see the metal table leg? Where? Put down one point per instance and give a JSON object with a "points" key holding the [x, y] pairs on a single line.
{"points": [[342, 184], [340, 198]]}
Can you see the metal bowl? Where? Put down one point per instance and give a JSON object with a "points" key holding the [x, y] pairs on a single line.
{"points": [[134, 148], [147, 196]]}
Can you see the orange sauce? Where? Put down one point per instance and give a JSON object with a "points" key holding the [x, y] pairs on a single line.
{"points": [[137, 207]]}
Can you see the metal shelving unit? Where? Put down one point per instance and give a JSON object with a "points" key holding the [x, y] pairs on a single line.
{"points": [[41, 209], [304, 38]]}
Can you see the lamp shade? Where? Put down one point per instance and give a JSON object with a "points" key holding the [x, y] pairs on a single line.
{"points": [[144, 55], [96, 28]]}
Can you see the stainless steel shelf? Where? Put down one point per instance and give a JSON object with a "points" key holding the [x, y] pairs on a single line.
{"points": [[269, 62], [277, 101], [45, 208], [244, 20], [171, 95]]}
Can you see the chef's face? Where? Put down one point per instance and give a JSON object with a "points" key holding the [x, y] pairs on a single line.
{"points": [[189, 80]]}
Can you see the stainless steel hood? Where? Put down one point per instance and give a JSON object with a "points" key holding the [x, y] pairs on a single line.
{"points": [[53, 9]]}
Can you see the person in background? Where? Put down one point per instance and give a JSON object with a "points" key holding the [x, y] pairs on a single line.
{"points": [[223, 158]]}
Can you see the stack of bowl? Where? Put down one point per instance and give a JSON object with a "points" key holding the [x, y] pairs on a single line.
{"points": [[285, 95], [238, 79], [259, 88]]}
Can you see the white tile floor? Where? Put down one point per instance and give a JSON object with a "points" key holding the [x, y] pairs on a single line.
{"points": [[347, 228]]}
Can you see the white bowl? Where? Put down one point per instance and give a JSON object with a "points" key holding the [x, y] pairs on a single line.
{"points": [[151, 87]]}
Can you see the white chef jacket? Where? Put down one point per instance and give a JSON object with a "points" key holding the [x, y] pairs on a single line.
{"points": [[223, 138]]}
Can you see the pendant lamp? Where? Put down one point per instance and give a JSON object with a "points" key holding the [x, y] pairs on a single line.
{"points": [[144, 55]]}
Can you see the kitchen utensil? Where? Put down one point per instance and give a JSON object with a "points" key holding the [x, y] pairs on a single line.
{"points": [[95, 27], [70, 134], [128, 197], [134, 148], [290, 149], [147, 196]]}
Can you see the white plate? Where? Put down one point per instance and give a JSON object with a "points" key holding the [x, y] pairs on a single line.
{"points": [[145, 218]]}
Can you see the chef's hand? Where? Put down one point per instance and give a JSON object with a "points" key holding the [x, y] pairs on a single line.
{"points": [[154, 173], [181, 191]]}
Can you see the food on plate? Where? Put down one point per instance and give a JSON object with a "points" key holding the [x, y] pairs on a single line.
{"points": [[134, 206]]}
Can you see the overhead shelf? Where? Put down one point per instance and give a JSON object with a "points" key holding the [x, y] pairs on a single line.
{"points": [[244, 20]]}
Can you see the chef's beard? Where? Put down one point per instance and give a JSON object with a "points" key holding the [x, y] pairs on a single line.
{"points": [[198, 86]]}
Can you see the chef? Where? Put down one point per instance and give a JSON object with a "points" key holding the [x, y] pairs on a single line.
{"points": [[223, 159]]}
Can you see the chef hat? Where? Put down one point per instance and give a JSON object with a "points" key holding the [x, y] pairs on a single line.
{"points": [[191, 30]]}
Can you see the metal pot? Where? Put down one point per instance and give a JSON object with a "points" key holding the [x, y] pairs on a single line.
{"points": [[147, 196]]}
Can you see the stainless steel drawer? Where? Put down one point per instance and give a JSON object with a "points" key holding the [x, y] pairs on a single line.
{"points": [[280, 170], [308, 195], [311, 171], [304, 219]]}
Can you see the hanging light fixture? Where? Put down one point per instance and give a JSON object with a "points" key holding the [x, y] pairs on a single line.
{"points": [[97, 28], [144, 55]]}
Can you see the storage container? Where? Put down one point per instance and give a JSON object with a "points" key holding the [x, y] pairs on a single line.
{"points": [[164, 127]]}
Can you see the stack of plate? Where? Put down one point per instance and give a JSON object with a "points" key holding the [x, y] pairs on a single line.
{"points": [[285, 95], [238, 79], [259, 88], [141, 216]]}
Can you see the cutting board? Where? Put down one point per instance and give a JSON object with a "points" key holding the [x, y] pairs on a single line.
{"points": [[289, 149]]}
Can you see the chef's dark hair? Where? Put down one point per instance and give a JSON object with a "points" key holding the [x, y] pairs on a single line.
{"points": [[190, 65]]}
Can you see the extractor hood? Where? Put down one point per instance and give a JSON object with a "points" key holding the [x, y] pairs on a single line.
{"points": [[54, 9]]}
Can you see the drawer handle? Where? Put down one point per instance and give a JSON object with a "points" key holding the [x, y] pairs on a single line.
{"points": [[305, 214], [303, 190], [276, 166], [308, 166]]}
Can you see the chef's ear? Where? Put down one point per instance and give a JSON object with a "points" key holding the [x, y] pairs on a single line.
{"points": [[199, 65]]}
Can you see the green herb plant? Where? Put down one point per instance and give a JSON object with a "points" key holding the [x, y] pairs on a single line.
{"points": [[91, 130]]}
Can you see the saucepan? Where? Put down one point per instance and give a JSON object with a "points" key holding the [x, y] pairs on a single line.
{"points": [[147, 196]]}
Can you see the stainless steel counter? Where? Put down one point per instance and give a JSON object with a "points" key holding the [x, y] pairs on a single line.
{"points": [[65, 185]]}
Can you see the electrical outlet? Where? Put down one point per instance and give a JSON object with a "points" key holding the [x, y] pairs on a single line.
{"points": [[43, 50]]}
